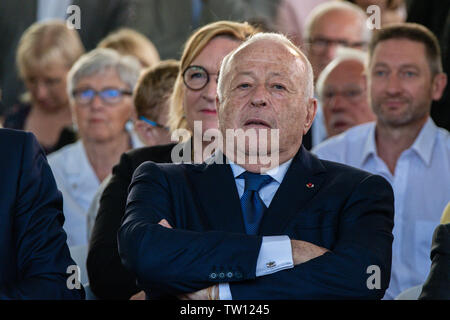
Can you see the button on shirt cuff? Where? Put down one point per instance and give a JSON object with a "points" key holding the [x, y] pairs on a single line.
{"points": [[275, 255]]}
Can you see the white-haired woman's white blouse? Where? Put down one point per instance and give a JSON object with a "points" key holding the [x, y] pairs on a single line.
{"points": [[78, 183]]}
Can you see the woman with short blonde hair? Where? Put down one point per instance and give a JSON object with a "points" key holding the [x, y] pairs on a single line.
{"points": [[45, 54], [130, 42]]}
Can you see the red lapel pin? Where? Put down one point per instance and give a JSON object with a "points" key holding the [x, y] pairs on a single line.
{"points": [[310, 185]]}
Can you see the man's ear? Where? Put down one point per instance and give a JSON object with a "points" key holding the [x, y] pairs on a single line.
{"points": [[311, 110], [438, 86]]}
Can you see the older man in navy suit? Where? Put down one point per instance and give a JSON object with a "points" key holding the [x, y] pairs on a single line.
{"points": [[241, 227], [34, 257]]}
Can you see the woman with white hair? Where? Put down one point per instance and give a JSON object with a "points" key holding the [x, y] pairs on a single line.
{"points": [[100, 86]]}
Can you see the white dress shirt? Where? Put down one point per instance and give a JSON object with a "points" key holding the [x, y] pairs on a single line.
{"points": [[421, 185], [274, 249], [78, 183]]}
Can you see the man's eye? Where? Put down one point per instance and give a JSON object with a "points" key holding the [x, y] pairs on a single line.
{"points": [[353, 93], [328, 95], [243, 86], [379, 73], [409, 74], [279, 87]]}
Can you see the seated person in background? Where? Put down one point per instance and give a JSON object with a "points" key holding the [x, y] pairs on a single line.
{"points": [[46, 52], [151, 103], [331, 25], [233, 227], [193, 99], [437, 285], [403, 145], [100, 85], [34, 257], [130, 42], [446, 215], [341, 89]]}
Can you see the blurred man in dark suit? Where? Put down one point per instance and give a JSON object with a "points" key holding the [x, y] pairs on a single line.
{"points": [[34, 257]]}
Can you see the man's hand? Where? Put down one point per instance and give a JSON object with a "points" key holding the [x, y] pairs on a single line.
{"points": [[303, 251], [138, 296], [165, 224], [210, 293]]}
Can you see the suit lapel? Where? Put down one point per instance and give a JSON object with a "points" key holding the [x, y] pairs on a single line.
{"points": [[301, 182], [217, 194]]}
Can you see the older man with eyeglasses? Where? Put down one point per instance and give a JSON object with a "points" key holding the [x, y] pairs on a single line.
{"points": [[329, 26]]}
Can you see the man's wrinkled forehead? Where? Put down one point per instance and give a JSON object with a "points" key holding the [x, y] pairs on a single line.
{"points": [[266, 52]]}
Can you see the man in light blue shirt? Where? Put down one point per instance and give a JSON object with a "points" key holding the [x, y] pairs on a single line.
{"points": [[403, 145]]}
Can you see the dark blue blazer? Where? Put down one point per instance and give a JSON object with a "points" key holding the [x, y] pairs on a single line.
{"points": [[347, 211], [33, 252]]}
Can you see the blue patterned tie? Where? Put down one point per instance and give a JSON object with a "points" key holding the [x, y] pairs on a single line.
{"points": [[252, 205]]}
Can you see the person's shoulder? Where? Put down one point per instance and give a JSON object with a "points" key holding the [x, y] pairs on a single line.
{"points": [[13, 139], [16, 116], [344, 173], [335, 147], [8, 134], [63, 155], [160, 153], [444, 136]]}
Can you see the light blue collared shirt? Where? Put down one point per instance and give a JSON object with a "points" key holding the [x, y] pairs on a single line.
{"points": [[421, 184], [275, 248], [52, 9]]}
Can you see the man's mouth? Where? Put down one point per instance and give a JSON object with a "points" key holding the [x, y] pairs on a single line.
{"points": [[257, 123]]}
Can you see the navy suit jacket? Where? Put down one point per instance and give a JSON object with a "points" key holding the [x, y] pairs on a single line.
{"points": [[348, 211], [33, 252]]}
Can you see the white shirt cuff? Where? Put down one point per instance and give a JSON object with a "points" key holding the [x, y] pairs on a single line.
{"points": [[224, 291], [275, 255]]}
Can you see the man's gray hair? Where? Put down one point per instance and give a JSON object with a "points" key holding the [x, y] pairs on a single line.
{"points": [[99, 60], [281, 40], [330, 6], [342, 55]]}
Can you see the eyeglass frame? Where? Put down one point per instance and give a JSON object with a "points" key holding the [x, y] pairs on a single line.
{"points": [[153, 123], [200, 67], [342, 93], [98, 93]]}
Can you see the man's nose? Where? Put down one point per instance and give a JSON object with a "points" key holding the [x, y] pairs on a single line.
{"points": [[259, 98], [393, 84], [338, 103]]}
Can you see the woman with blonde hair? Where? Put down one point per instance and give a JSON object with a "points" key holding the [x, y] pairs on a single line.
{"points": [[193, 99], [130, 42], [46, 52]]}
